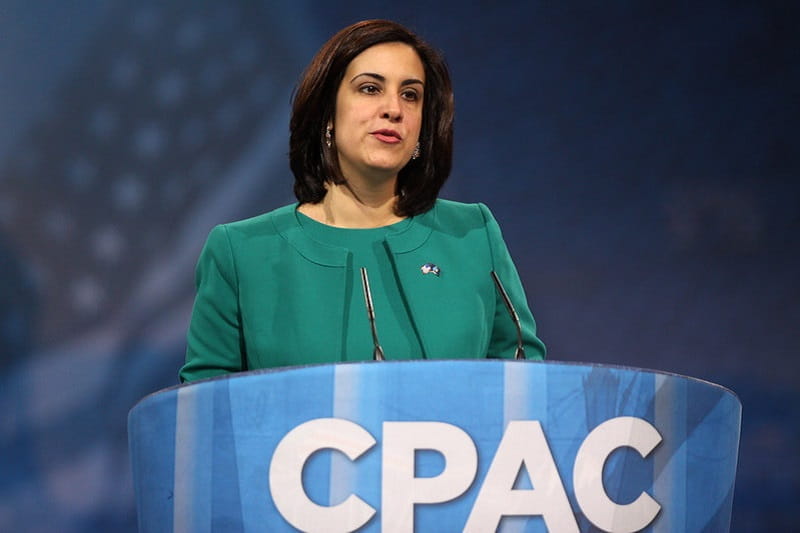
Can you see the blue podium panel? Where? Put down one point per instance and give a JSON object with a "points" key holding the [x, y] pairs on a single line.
{"points": [[437, 446]]}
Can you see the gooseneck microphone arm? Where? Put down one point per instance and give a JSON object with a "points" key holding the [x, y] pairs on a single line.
{"points": [[377, 352], [520, 353]]}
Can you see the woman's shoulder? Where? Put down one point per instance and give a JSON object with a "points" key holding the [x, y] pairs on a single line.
{"points": [[266, 229], [450, 212], [268, 223]]}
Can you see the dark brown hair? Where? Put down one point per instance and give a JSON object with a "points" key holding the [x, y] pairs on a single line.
{"points": [[312, 163]]}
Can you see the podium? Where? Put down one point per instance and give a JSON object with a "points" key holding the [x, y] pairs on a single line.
{"points": [[467, 445]]}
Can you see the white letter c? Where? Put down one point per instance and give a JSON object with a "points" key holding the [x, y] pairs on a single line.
{"points": [[587, 476], [286, 475]]}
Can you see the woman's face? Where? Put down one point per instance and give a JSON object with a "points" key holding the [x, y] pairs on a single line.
{"points": [[379, 111]]}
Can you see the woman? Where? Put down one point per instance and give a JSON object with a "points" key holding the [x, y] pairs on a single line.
{"points": [[370, 147]]}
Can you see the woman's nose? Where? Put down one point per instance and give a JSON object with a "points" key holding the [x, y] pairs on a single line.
{"points": [[392, 109]]}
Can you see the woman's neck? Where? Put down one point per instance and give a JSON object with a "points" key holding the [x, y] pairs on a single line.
{"points": [[346, 206]]}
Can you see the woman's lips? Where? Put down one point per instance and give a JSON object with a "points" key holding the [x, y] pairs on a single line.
{"points": [[387, 136]]}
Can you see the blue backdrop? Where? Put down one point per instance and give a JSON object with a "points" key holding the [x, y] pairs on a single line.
{"points": [[639, 158]]}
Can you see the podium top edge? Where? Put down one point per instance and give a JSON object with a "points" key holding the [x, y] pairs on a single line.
{"points": [[437, 361]]}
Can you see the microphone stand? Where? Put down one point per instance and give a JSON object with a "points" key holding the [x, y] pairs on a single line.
{"points": [[520, 352], [377, 352]]}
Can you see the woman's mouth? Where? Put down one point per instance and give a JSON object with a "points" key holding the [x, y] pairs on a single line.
{"points": [[387, 136]]}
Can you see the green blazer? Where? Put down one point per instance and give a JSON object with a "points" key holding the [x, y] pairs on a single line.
{"points": [[268, 295]]}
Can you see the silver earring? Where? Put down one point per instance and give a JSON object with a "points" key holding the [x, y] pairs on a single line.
{"points": [[415, 154], [328, 140]]}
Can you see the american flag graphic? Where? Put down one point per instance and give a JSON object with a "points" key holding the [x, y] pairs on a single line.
{"points": [[158, 110], [173, 119]]}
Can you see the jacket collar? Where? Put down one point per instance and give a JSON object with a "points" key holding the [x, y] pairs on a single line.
{"points": [[286, 224], [415, 234]]}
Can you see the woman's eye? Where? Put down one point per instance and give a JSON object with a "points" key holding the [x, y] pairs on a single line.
{"points": [[411, 96], [369, 89]]}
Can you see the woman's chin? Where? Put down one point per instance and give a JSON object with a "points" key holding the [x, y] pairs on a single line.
{"points": [[384, 170]]}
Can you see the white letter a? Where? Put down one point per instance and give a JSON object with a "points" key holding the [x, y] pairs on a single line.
{"points": [[523, 443]]}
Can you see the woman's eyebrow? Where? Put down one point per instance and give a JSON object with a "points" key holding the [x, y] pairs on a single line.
{"points": [[381, 78]]}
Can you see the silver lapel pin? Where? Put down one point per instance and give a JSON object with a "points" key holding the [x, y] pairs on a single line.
{"points": [[430, 268]]}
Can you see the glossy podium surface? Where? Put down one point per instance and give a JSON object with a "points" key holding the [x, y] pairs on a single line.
{"points": [[437, 446]]}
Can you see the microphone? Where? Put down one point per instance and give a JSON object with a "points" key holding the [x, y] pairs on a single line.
{"points": [[520, 353], [377, 352]]}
